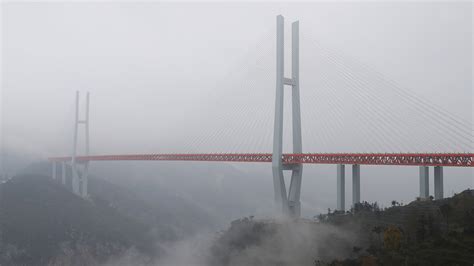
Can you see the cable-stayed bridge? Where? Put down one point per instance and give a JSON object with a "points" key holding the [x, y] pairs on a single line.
{"points": [[453, 142]]}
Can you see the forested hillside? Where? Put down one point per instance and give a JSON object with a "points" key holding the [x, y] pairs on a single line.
{"points": [[424, 232]]}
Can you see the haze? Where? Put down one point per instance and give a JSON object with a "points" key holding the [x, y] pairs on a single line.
{"points": [[200, 77]]}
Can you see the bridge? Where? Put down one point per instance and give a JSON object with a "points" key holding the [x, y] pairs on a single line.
{"points": [[288, 203]]}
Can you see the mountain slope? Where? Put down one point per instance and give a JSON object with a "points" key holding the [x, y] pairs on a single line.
{"points": [[424, 232], [41, 221], [169, 215]]}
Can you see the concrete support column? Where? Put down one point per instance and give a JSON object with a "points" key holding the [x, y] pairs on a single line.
{"points": [[355, 184], [297, 170], [84, 183], [294, 192], [75, 176], [438, 182], [75, 182], [80, 180], [85, 175], [287, 205], [63, 173], [281, 200], [424, 182], [53, 170], [341, 187]]}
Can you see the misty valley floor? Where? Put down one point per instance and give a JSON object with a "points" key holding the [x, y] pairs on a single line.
{"points": [[43, 223]]}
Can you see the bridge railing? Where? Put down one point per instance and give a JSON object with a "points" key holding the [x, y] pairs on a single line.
{"points": [[414, 159]]}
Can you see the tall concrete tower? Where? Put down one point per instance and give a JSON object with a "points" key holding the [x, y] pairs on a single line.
{"points": [[80, 176], [288, 205]]}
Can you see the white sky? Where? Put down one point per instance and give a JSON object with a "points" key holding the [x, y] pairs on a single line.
{"points": [[199, 77]]}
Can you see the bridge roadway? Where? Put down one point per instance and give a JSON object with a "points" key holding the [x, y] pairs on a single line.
{"points": [[408, 159]]}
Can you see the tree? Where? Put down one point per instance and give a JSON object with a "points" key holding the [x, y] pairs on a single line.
{"points": [[446, 211], [420, 231], [356, 249], [392, 238], [377, 230], [430, 224], [368, 260]]}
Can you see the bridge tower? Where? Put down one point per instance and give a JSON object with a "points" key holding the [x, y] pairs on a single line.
{"points": [[80, 177], [288, 205]]}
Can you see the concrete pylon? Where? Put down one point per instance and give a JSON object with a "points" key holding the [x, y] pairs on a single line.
{"points": [[63, 173], [341, 187], [288, 205], [53, 169], [80, 178], [438, 182], [355, 184], [424, 182]]}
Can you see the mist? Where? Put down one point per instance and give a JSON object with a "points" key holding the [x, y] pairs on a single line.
{"points": [[199, 77]]}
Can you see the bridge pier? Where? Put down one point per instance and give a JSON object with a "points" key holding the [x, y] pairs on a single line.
{"points": [[438, 182], [287, 205], [294, 204], [63, 173], [80, 180], [75, 182], [355, 184], [53, 170], [85, 181], [424, 182], [341, 187]]}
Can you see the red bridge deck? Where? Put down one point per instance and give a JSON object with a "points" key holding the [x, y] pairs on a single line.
{"points": [[426, 159]]}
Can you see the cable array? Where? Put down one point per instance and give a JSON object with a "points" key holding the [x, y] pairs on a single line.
{"points": [[364, 111]]}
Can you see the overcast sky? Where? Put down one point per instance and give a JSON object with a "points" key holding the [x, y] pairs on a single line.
{"points": [[164, 76], [200, 77]]}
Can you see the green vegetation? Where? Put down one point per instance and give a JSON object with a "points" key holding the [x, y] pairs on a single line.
{"points": [[424, 232], [429, 232]]}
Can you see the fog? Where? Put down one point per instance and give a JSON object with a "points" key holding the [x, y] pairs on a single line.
{"points": [[200, 77], [290, 244]]}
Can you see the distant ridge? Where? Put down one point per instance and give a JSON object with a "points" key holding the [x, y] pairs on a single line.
{"points": [[42, 223]]}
